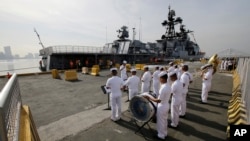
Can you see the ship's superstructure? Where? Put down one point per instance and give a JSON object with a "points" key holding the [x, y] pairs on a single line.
{"points": [[178, 44], [171, 45]]}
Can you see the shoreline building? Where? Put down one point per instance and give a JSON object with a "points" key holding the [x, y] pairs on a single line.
{"points": [[7, 52]]}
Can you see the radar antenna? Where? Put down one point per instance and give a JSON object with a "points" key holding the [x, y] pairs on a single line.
{"points": [[40, 42], [193, 37]]}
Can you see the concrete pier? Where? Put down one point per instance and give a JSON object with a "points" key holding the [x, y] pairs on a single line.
{"points": [[75, 111]]}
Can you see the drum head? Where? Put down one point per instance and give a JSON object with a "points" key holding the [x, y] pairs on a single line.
{"points": [[141, 108]]}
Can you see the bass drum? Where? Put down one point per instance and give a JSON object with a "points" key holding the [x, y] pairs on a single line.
{"points": [[141, 108]]}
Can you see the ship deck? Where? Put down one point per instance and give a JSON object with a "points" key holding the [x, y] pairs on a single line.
{"points": [[75, 111]]}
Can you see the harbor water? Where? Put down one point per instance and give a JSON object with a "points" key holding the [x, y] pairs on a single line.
{"points": [[19, 66]]}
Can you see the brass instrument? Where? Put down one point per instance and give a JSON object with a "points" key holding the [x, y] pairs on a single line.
{"points": [[214, 61]]}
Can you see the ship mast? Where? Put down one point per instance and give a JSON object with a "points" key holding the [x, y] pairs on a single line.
{"points": [[40, 42]]}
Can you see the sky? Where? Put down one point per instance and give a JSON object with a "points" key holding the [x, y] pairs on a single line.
{"points": [[217, 24]]}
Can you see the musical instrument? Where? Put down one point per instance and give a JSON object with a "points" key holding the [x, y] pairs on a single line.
{"points": [[141, 108], [214, 61]]}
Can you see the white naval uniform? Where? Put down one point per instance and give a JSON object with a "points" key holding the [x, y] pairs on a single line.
{"points": [[222, 65], [156, 82], [162, 110], [225, 65], [185, 79], [115, 84], [178, 72], [123, 72], [133, 84], [206, 84], [177, 90], [146, 78]]}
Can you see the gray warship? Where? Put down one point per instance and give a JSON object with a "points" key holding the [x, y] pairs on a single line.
{"points": [[178, 45], [172, 45]]}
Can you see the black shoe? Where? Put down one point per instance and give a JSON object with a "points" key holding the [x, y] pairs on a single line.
{"points": [[201, 102], [182, 116], [156, 137]]}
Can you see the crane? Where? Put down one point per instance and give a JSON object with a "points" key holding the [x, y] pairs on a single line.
{"points": [[40, 42]]}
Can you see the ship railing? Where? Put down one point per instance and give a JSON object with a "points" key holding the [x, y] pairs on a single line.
{"points": [[243, 69], [76, 49], [10, 107]]}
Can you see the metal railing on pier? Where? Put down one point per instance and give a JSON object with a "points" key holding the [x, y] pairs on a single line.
{"points": [[243, 69], [10, 105], [75, 49]]}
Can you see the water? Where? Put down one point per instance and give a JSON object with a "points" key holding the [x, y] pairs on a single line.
{"points": [[19, 66]]}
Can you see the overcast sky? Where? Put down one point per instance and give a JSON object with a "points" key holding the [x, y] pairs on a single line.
{"points": [[217, 24]]}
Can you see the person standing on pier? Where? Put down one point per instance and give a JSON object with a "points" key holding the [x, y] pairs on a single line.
{"points": [[123, 70], [145, 79], [177, 90], [162, 106], [110, 64], [186, 79], [133, 84], [222, 65], [115, 84], [156, 81], [207, 72]]}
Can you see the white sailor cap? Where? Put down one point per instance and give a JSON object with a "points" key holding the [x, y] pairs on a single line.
{"points": [[170, 63], [133, 70], [112, 69], [124, 62], [162, 74], [171, 73]]}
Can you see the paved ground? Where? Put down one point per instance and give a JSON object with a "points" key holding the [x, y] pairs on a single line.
{"points": [[65, 110], [202, 122]]}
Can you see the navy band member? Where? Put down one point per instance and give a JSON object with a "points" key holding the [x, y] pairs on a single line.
{"points": [[186, 79], [115, 84], [156, 81], [207, 74], [133, 84], [123, 70], [162, 106], [177, 90], [146, 78]]}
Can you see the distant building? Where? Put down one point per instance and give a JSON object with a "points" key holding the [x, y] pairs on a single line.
{"points": [[29, 56], [2, 56], [7, 52], [16, 56], [36, 55]]}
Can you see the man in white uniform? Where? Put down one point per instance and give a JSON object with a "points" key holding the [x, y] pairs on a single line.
{"points": [[178, 72], [156, 81], [222, 65], [207, 72], [225, 65], [162, 106], [185, 79], [115, 84], [123, 70], [146, 78], [177, 90], [133, 84]]}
